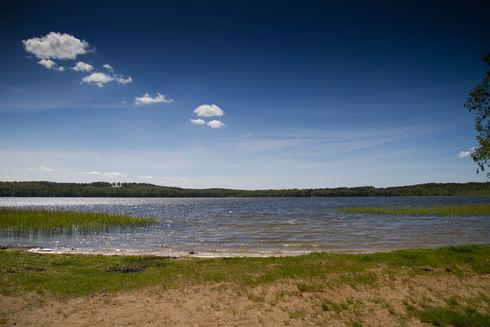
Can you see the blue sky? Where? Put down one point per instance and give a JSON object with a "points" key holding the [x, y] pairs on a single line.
{"points": [[290, 94]]}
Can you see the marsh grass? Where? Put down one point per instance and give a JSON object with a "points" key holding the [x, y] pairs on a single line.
{"points": [[44, 221], [447, 210]]}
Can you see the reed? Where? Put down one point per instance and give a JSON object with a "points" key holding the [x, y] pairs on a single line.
{"points": [[446, 210], [34, 220]]}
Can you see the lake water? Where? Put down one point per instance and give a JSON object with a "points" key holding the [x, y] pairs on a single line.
{"points": [[255, 226]]}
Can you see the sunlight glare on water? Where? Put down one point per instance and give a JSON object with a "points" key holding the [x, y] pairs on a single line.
{"points": [[256, 226]]}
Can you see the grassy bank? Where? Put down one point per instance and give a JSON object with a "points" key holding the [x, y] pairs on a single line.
{"points": [[447, 210], [346, 287], [77, 275], [26, 220]]}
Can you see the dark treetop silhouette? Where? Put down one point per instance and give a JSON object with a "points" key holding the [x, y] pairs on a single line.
{"points": [[104, 189]]}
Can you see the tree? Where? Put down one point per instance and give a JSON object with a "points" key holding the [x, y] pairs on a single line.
{"points": [[479, 103]]}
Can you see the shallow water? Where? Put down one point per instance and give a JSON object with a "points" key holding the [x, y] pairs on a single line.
{"points": [[255, 226]]}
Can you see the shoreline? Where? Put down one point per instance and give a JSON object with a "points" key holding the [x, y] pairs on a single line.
{"points": [[217, 255]]}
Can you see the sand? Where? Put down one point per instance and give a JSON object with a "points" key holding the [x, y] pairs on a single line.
{"points": [[277, 304]]}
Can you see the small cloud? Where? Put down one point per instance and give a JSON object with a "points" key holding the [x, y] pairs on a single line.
{"points": [[93, 172], [56, 46], [147, 99], [216, 124], [464, 154], [98, 173], [115, 174], [145, 177], [198, 121], [98, 79], [246, 135], [208, 110], [124, 80], [42, 168], [51, 65], [48, 63], [83, 67], [108, 67]]}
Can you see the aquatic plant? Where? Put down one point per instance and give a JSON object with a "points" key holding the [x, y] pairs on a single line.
{"points": [[20, 220], [439, 210]]}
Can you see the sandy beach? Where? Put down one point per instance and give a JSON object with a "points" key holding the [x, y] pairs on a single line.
{"points": [[403, 288]]}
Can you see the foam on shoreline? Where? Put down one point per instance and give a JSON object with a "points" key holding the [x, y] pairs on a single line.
{"points": [[192, 254]]}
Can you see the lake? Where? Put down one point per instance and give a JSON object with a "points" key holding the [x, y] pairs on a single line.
{"points": [[255, 226]]}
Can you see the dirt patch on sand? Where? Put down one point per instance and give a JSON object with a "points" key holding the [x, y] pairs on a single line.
{"points": [[280, 304]]}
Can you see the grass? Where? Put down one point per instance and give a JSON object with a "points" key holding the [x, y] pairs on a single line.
{"points": [[446, 210], [322, 286], [80, 275], [42, 220], [442, 316], [328, 305], [451, 315]]}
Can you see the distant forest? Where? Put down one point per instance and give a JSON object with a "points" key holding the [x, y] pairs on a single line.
{"points": [[104, 189]]}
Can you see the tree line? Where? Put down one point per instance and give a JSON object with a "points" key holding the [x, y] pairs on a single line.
{"points": [[104, 189]]}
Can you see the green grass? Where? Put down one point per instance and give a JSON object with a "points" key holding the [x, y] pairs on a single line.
{"points": [[450, 315], [446, 210], [79, 275], [34, 220], [442, 316], [328, 305]]}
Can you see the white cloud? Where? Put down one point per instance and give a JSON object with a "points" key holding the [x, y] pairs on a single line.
{"points": [[147, 99], [246, 135], [50, 64], [108, 67], [208, 110], [56, 46], [463, 154], [83, 67], [115, 174], [66, 46], [42, 168], [98, 79], [145, 177], [215, 124], [198, 121], [123, 80], [93, 172], [98, 173]]}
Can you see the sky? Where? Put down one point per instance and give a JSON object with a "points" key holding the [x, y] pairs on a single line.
{"points": [[240, 94]]}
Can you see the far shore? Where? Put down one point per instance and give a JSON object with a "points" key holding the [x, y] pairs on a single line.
{"points": [[105, 189]]}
